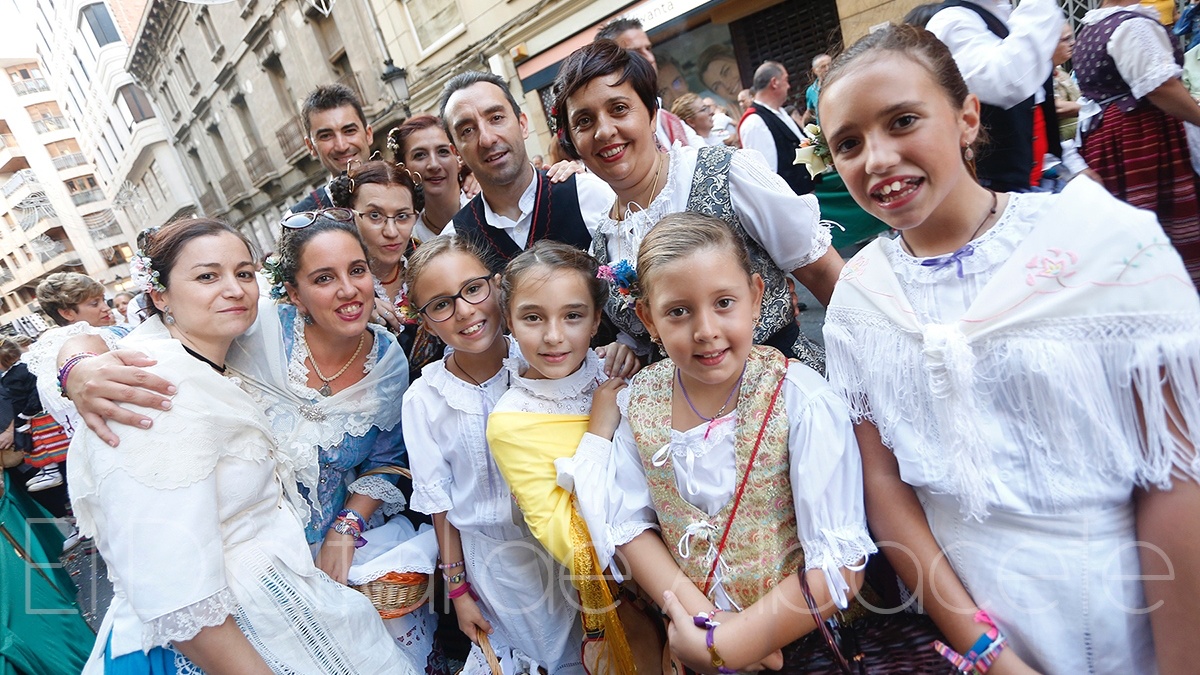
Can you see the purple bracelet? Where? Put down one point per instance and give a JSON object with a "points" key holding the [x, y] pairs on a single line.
{"points": [[68, 366], [706, 621]]}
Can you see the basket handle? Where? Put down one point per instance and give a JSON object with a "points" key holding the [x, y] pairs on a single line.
{"points": [[485, 646], [393, 470]]}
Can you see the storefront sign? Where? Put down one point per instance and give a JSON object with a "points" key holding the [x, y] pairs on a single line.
{"points": [[657, 12]]}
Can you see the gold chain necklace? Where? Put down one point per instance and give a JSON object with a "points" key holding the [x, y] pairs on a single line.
{"points": [[617, 216], [325, 389]]}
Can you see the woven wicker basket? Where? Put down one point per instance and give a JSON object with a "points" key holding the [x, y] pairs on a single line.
{"points": [[395, 593], [485, 646]]}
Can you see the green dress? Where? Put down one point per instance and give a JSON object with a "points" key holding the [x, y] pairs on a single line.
{"points": [[41, 629]]}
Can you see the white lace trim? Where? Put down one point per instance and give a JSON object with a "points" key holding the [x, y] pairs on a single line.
{"points": [[623, 533], [377, 487], [298, 372], [433, 497], [186, 623], [570, 395], [42, 357], [1158, 74], [822, 240], [1084, 398], [637, 224], [844, 547], [459, 394], [989, 250]]}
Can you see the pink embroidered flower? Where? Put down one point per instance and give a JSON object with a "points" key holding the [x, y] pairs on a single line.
{"points": [[1058, 264], [855, 268]]}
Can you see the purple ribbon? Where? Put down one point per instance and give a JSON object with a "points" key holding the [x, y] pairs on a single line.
{"points": [[955, 258]]}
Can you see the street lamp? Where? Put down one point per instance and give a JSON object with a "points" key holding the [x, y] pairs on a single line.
{"points": [[397, 80]]}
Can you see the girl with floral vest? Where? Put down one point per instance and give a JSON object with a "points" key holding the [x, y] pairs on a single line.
{"points": [[749, 461]]}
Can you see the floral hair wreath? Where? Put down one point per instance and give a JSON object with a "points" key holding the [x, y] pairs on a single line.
{"points": [[143, 275], [378, 156], [624, 278]]}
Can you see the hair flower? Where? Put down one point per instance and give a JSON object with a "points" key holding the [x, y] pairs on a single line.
{"points": [[622, 276], [143, 275], [273, 270]]}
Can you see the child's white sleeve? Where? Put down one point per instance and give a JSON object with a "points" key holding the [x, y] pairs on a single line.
{"points": [[827, 481], [615, 512], [431, 471]]}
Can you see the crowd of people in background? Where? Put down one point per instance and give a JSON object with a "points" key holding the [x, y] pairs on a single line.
{"points": [[565, 409]]}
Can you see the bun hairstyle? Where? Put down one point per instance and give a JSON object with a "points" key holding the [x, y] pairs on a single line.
{"points": [[679, 235], [66, 290], [600, 58], [922, 48], [429, 251], [164, 245], [555, 256], [379, 172]]}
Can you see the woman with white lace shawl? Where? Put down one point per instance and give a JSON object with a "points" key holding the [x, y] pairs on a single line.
{"points": [[198, 516], [1025, 369]]}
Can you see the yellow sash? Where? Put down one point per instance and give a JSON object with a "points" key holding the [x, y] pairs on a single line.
{"points": [[525, 446]]}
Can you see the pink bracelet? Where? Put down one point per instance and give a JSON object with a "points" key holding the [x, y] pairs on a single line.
{"points": [[463, 590]]}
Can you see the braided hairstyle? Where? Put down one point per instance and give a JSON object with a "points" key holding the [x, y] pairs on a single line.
{"points": [[379, 172]]}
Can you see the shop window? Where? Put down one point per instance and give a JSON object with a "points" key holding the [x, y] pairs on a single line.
{"points": [[433, 20], [100, 23], [792, 33], [699, 61]]}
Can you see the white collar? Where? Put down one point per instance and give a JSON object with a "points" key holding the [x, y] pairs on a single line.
{"points": [[528, 197]]}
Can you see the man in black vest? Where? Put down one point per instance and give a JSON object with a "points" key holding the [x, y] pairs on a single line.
{"points": [[1005, 56], [516, 205], [768, 129]]}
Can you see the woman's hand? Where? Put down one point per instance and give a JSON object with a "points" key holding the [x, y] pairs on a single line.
{"points": [[606, 414], [471, 186], [100, 385], [619, 360], [470, 619], [386, 313], [564, 170], [336, 555]]}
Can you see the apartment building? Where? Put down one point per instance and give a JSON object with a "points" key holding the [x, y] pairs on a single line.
{"points": [[54, 216], [83, 45], [229, 80]]}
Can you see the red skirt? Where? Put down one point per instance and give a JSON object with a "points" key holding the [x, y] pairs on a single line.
{"points": [[1143, 158], [50, 441]]}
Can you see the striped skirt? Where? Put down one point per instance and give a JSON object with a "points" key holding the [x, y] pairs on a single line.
{"points": [[50, 441], [1143, 158]]}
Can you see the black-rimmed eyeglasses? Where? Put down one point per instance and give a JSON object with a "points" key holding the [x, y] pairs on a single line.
{"points": [[474, 291]]}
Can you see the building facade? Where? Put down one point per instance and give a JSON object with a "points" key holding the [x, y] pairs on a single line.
{"points": [[229, 80], [54, 216], [84, 45]]}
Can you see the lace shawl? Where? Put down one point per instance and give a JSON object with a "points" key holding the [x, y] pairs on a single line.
{"points": [[1063, 355], [303, 425], [210, 412]]}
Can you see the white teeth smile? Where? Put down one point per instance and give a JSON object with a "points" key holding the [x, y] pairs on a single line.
{"points": [[473, 329], [350, 309], [611, 152], [896, 189]]}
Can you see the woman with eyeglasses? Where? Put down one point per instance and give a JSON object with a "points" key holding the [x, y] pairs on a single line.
{"points": [[198, 512], [384, 200]]}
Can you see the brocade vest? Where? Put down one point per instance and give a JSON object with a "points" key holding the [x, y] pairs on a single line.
{"points": [[762, 548]]}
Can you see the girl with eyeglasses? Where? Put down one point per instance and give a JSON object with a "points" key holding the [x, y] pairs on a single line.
{"points": [[500, 579]]}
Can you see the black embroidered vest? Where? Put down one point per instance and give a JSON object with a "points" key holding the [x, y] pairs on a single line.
{"points": [[555, 216], [786, 143]]}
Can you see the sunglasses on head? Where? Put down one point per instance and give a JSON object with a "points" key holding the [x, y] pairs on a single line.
{"points": [[302, 219]]}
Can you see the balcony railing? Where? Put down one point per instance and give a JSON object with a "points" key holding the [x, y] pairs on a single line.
{"points": [[291, 138], [35, 219], [49, 124], [259, 166], [30, 86], [102, 225], [22, 177], [85, 196], [67, 161], [209, 203], [232, 186]]}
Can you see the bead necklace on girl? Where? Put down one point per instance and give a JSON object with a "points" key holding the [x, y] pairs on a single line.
{"points": [[750, 463], [1026, 371], [559, 412], [384, 198], [495, 570]]}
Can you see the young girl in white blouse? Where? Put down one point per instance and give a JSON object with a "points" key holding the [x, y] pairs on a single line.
{"points": [[551, 432], [1026, 370], [749, 461], [497, 573]]}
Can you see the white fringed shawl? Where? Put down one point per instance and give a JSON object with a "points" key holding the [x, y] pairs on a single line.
{"points": [[1064, 353]]}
